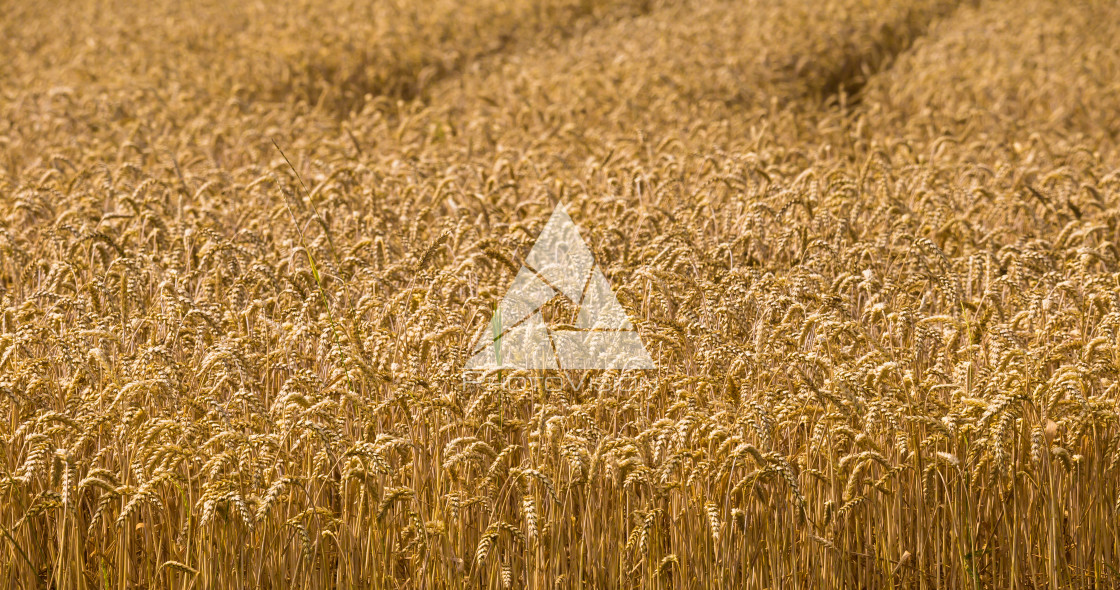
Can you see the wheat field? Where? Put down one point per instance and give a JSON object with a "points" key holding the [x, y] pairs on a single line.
{"points": [[872, 247]]}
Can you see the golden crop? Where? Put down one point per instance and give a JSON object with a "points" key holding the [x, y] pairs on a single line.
{"points": [[872, 246]]}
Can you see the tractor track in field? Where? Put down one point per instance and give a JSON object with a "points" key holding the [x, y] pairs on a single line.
{"points": [[410, 80], [892, 39]]}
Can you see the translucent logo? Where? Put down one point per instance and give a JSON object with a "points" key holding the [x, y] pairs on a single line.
{"points": [[559, 266]]}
